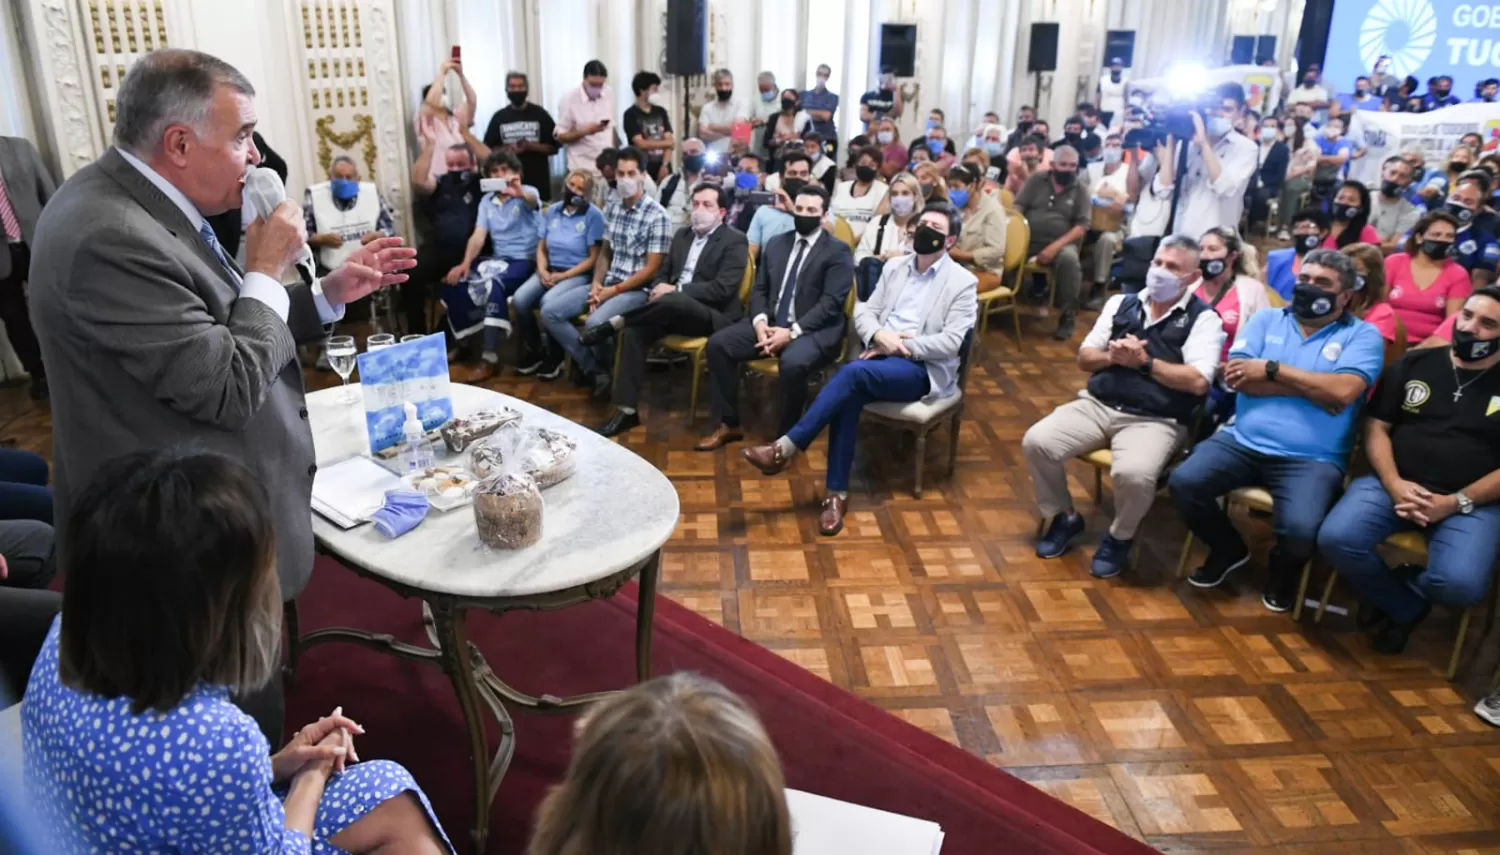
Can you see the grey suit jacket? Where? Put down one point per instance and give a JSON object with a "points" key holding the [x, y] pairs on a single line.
{"points": [[949, 313], [29, 185], [147, 345]]}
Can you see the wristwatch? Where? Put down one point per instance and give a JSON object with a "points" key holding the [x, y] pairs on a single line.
{"points": [[1272, 369], [1146, 366], [1465, 504]]}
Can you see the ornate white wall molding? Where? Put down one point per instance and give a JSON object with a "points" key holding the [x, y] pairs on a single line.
{"points": [[69, 109]]}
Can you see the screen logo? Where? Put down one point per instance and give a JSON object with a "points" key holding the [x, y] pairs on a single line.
{"points": [[1404, 30]]}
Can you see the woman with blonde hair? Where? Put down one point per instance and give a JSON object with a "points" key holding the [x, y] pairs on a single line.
{"points": [[887, 235], [930, 179], [675, 766]]}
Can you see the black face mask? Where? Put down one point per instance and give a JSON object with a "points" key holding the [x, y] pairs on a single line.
{"points": [[806, 223], [1390, 189], [1441, 93], [865, 174], [1462, 214], [1211, 267], [1309, 81], [793, 186], [1345, 213], [1468, 347], [927, 240], [1437, 250], [692, 163], [1063, 178], [517, 98], [1310, 303], [1114, 76], [1306, 243], [789, 104], [724, 94]]}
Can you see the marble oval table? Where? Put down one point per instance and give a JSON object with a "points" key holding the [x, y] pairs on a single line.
{"points": [[601, 527]]}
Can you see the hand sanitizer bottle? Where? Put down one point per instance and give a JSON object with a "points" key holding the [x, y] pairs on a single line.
{"points": [[416, 451]]}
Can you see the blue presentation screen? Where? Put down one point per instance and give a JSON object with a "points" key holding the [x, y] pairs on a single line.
{"points": [[1423, 38]]}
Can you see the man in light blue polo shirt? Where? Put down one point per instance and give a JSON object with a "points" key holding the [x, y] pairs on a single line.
{"points": [[1301, 374]]}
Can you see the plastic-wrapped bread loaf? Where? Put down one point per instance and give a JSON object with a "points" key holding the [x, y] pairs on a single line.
{"points": [[508, 511], [549, 456], [460, 433]]}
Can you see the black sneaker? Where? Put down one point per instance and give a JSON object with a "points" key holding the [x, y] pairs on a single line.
{"points": [[1218, 567], [1066, 325], [39, 391], [550, 370], [596, 335], [529, 363], [1391, 638], [1281, 592], [1112, 557], [1370, 617]]}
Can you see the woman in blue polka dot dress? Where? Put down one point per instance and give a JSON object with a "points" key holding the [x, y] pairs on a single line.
{"points": [[131, 741]]}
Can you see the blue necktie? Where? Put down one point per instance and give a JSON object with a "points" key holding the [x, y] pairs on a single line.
{"points": [[784, 305], [207, 233]]}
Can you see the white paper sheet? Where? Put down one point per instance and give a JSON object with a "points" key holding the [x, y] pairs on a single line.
{"points": [[824, 826], [349, 491]]}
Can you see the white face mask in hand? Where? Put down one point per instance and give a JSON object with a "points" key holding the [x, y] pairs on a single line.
{"points": [[1162, 286]]}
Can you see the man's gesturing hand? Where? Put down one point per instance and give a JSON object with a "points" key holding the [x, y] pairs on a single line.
{"points": [[373, 266]]}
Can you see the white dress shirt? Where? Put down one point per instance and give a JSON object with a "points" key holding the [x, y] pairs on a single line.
{"points": [[1207, 203], [1205, 341], [909, 312], [788, 282], [256, 286], [690, 263]]}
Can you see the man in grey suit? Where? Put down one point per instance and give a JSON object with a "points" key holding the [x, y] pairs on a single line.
{"points": [[25, 186], [154, 336], [913, 328]]}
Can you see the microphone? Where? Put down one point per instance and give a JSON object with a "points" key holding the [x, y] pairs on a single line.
{"points": [[264, 191]]}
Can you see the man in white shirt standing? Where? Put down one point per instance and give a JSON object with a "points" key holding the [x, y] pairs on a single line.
{"points": [[584, 118], [717, 117], [1220, 163]]}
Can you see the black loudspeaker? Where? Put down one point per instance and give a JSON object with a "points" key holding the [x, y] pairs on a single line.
{"points": [[1242, 50], [1265, 48], [1120, 44], [898, 49], [1043, 53], [687, 37]]}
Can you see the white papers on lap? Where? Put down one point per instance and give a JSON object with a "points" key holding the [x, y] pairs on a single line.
{"points": [[349, 491], [823, 826]]}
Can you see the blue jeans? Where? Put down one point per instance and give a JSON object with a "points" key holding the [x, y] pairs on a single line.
{"points": [[1303, 491], [560, 307], [23, 486], [839, 404], [527, 300], [1461, 552]]}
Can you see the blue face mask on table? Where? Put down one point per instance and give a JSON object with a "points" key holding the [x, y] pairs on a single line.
{"points": [[403, 511], [343, 189]]}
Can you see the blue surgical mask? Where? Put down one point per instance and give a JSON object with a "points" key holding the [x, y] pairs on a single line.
{"points": [[959, 198], [993, 149], [746, 180], [768, 97], [931, 123], [936, 147], [1217, 126], [343, 189]]}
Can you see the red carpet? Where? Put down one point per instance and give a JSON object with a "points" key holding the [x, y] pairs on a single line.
{"points": [[831, 742]]}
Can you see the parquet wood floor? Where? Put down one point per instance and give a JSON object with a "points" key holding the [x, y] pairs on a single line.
{"points": [[1194, 720]]}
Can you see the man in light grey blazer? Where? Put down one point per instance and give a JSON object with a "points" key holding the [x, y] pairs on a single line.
{"points": [[25, 186], [912, 328], [153, 336]]}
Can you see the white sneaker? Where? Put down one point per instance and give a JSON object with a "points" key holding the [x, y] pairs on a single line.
{"points": [[1489, 708]]}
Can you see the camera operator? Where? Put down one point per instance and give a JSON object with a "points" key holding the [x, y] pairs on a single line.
{"points": [[1220, 164]]}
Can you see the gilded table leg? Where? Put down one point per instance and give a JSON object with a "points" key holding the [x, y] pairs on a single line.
{"points": [[645, 610], [456, 663]]}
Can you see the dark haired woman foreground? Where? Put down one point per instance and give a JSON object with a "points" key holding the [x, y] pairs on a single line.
{"points": [[131, 742]]}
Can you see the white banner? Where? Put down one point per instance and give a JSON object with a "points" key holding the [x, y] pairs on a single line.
{"points": [[1262, 85], [1383, 135]]}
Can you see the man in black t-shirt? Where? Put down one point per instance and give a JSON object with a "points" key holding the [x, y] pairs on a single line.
{"points": [[1433, 441], [525, 130], [647, 125], [881, 103]]}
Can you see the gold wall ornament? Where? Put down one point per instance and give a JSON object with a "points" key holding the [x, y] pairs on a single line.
{"points": [[114, 28], [315, 99], [327, 98], [348, 67], [364, 97], [104, 76], [145, 21], [130, 30], [312, 70], [361, 66], [364, 132], [307, 32], [120, 71], [111, 107], [341, 97], [344, 22], [161, 26], [325, 66], [318, 17], [358, 42], [98, 30]]}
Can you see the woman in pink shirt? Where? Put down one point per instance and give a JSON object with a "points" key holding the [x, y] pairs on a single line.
{"points": [[1230, 285], [1425, 285], [892, 153], [1351, 217]]}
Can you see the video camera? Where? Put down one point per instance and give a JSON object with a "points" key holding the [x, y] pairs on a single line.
{"points": [[1170, 111]]}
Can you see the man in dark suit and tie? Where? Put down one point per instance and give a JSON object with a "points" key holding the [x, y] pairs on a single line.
{"points": [[796, 316], [25, 186], [696, 293]]}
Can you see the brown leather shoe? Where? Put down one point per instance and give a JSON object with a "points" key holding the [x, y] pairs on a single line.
{"points": [[485, 371], [722, 436], [831, 521], [767, 458]]}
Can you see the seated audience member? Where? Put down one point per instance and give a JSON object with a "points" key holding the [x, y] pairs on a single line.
{"points": [[343, 213], [824, 168], [1310, 229], [24, 494], [887, 235], [990, 177], [1335, 153], [676, 192], [858, 200], [1265, 185], [1351, 217], [1369, 302], [675, 766], [1391, 213], [981, 247], [452, 204], [1300, 373], [787, 125], [1302, 161], [796, 317], [1476, 245], [1229, 285], [527, 130], [938, 146], [1442, 336], [1437, 182], [1109, 193], [695, 293], [1151, 357], [637, 234], [1424, 284], [1432, 444], [747, 178], [26, 554], [930, 180], [778, 219], [509, 221], [1072, 135], [605, 192], [894, 156], [1057, 206], [913, 329], [1030, 156], [172, 604], [568, 242], [648, 126]]}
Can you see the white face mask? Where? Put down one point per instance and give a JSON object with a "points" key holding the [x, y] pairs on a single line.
{"points": [[703, 221], [1113, 155], [883, 137], [902, 206], [628, 187], [1162, 286]]}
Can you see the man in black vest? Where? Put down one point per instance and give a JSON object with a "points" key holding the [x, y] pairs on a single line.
{"points": [[1152, 356]]}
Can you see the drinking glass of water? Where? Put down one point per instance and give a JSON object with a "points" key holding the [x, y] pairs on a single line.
{"points": [[378, 341], [341, 354], [407, 338]]}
